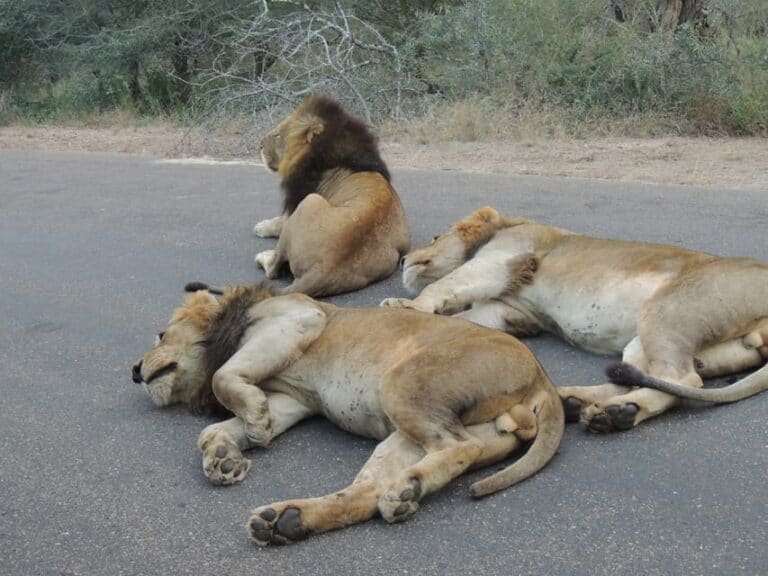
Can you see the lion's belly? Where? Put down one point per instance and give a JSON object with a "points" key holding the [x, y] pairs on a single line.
{"points": [[349, 397], [602, 319]]}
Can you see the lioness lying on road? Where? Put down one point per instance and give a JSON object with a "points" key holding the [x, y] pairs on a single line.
{"points": [[342, 226], [675, 314], [442, 394]]}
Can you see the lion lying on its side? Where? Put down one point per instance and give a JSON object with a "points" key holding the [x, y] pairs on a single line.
{"points": [[443, 395], [675, 314], [343, 226]]}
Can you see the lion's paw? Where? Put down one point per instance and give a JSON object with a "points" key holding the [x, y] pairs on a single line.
{"points": [[267, 260], [395, 303], [572, 409], [402, 502], [265, 229], [405, 303], [611, 417], [224, 464], [277, 524]]}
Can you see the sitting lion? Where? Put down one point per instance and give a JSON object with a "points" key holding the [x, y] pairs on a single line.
{"points": [[675, 314], [443, 395], [343, 226]]}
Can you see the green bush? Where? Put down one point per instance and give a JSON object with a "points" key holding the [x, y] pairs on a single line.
{"points": [[570, 54]]}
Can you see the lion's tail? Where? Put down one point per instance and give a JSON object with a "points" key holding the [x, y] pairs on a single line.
{"points": [[551, 425], [627, 375]]}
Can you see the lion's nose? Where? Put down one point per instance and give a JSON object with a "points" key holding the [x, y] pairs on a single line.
{"points": [[136, 373]]}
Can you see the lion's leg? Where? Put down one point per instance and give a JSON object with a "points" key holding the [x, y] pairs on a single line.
{"points": [[667, 347], [286, 328], [222, 444], [501, 316], [292, 520], [577, 398], [732, 356], [700, 310], [313, 282], [478, 279], [627, 410], [270, 228], [270, 261], [488, 313], [411, 397], [309, 269]]}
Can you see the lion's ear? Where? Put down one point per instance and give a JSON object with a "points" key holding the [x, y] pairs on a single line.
{"points": [[486, 214], [315, 129]]}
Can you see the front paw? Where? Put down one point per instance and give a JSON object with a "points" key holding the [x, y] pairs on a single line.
{"points": [[407, 303], [268, 261], [276, 524], [267, 228], [223, 463]]}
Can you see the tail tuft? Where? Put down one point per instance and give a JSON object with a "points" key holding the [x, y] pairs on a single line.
{"points": [[624, 374]]}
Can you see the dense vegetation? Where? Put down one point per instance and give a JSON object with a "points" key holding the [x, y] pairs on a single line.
{"points": [[703, 70]]}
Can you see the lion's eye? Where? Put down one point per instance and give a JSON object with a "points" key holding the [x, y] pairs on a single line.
{"points": [[435, 239]]}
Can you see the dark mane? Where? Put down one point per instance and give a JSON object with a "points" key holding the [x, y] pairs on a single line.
{"points": [[344, 143], [223, 338]]}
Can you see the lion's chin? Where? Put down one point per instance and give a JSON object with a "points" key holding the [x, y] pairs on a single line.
{"points": [[267, 164], [160, 392]]}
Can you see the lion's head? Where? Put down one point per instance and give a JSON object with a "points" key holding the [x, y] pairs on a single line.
{"points": [[202, 334], [451, 249], [173, 370], [317, 137]]}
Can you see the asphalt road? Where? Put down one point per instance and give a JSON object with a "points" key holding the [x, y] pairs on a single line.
{"points": [[94, 251]]}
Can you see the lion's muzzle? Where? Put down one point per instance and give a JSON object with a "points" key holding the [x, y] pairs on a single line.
{"points": [[136, 373]]}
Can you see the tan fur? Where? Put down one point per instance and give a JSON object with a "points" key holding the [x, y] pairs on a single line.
{"points": [[674, 313], [350, 231], [442, 395]]}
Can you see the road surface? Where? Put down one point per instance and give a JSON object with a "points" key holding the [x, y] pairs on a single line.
{"points": [[94, 252]]}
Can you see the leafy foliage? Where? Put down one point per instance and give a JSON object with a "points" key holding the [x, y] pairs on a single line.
{"points": [[225, 58]]}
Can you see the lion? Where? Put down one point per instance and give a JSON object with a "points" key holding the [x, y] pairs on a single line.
{"points": [[675, 315], [443, 396], [343, 226]]}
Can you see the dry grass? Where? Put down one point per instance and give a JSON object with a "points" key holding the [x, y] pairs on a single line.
{"points": [[471, 136], [480, 119]]}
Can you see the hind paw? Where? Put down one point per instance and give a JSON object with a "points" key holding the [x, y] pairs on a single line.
{"points": [[276, 524], [572, 408], [401, 503], [610, 418]]}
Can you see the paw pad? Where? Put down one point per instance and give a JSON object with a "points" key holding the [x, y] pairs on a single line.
{"points": [[267, 527], [613, 418], [572, 407], [398, 507]]}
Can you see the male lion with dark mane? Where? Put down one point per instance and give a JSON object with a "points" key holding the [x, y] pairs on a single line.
{"points": [[343, 226], [676, 315], [442, 395]]}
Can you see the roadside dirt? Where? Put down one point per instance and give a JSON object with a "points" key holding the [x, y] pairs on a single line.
{"points": [[730, 163]]}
